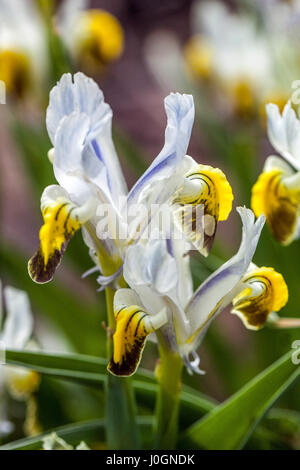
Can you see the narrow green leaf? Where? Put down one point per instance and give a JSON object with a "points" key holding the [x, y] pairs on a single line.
{"points": [[229, 425], [91, 432], [92, 370]]}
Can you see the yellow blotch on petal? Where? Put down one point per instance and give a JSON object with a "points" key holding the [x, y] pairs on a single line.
{"points": [[22, 382], [133, 325], [101, 40], [277, 97], [242, 97], [203, 205], [279, 204], [59, 227], [198, 55], [266, 292], [15, 72]]}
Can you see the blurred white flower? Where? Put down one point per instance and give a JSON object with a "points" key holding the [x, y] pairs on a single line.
{"points": [[277, 191], [24, 61], [17, 329]]}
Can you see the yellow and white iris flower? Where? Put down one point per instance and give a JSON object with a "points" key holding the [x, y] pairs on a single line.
{"points": [[277, 190], [17, 328], [93, 37], [230, 53], [23, 49], [161, 296], [87, 169]]}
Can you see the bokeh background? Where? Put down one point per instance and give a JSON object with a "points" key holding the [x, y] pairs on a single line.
{"points": [[68, 311]]}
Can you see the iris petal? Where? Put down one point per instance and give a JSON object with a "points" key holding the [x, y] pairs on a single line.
{"points": [[133, 325], [205, 200], [280, 204], [62, 219]]}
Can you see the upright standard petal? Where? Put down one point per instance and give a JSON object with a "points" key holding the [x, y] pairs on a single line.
{"points": [[219, 289], [284, 133], [18, 325], [84, 97], [133, 325], [62, 219], [180, 115], [265, 291]]}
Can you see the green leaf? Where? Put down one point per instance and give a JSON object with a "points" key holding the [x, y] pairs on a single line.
{"points": [[92, 370], [91, 432], [229, 425]]}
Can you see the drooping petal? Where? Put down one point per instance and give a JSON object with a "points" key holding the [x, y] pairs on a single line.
{"points": [[83, 97], [180, 114], [284, 133], [62, 219], [219, 289], [276, 194], [133, 325], [18, 325], [204, 200], [264, 291]]}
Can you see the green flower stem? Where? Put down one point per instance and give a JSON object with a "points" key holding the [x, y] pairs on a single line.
{"points": [[167, 406], [121, 414], [121, 424]]}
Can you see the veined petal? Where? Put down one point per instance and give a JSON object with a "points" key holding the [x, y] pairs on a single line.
{"points": [[277, 195], [18, 325], [76, 166], [62, 219], [133, 325], [204, 200], [284, 132], [219, 289], [180, 114], [153, 271], [265, 291], [83, 97]]}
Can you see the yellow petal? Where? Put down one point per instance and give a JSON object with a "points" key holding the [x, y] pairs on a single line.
{"points": [[101, 39], [15, 72], [279, 204], [198, 54], [266, 292], [22, 382], [59, 227], [200, 209], [133, 325]]}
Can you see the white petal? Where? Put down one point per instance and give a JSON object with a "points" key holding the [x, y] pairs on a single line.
{"points": [[85, 97], [75, 165], [273, 162], [218, 290], [125, 297], [151, 271], [284, 132], [67, 16], [18, 325], [180, 113]]}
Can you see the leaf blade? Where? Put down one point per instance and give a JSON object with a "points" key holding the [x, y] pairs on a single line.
{"points": [[241, 413]]}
